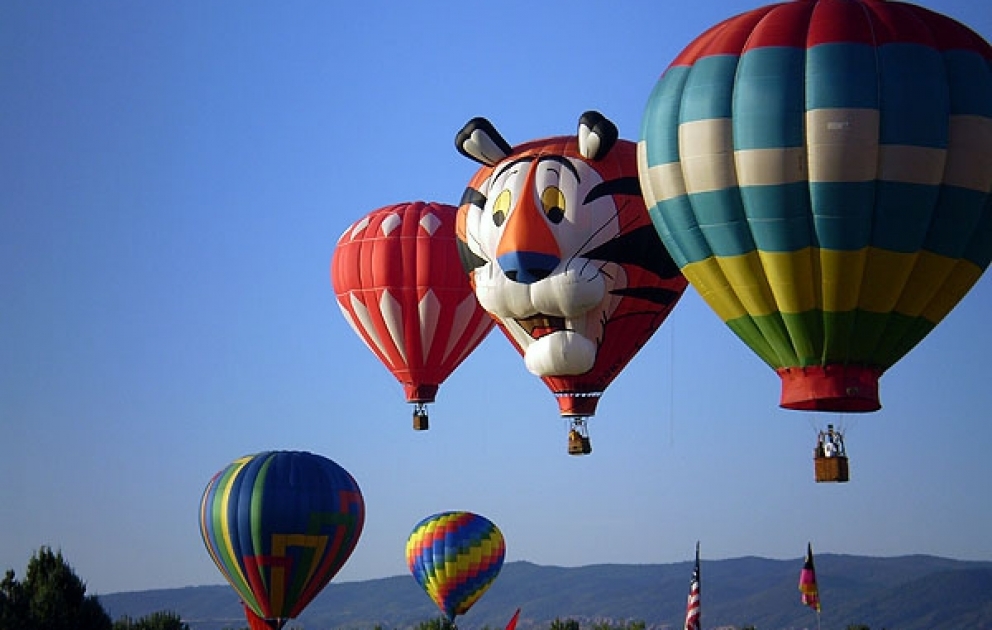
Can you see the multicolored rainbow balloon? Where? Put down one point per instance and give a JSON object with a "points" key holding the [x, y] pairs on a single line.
{"points": [[455, 556], [279, 525]]}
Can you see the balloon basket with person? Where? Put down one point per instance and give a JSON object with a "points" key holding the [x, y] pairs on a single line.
{"points": [[420, 419], [559, 247], [830, 457], [578, 437], [398, 281]]}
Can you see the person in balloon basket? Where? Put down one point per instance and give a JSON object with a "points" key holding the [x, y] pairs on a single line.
{"points": [[830, 443]]}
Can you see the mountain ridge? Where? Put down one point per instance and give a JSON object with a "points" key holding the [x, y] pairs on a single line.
{"points": [[913, 592]]}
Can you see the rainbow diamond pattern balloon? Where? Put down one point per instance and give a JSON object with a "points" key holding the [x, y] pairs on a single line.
{"points": [[455, 556]]}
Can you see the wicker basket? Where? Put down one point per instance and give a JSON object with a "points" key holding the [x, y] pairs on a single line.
{"points": [[579, 445], [420, 422], [831, 469]]}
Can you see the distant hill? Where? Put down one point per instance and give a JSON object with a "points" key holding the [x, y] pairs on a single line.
{"points": [[903, 593]]}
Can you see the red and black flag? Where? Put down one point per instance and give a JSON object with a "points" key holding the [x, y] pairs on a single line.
{"points": [[807, 581]]}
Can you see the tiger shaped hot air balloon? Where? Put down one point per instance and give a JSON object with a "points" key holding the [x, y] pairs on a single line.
{"points": [[561, 251]]}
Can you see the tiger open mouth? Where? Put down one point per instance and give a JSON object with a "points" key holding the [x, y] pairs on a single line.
{"points": [[539, 325]]}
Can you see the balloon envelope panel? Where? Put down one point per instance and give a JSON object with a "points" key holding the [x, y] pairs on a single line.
{"points": [[821, 172], [279, 525], [400, 285], [455, 557], [572, 270]]}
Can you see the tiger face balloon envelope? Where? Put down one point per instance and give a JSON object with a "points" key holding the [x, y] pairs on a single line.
{"points": [[561, 252]]}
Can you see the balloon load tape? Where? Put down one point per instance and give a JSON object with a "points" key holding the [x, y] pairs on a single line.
{"points": [[837, 388]]}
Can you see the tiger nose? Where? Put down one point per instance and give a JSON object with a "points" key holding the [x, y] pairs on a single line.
{"points": [[527, 267], [528, 250]]}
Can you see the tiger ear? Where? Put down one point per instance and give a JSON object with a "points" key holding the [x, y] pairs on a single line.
{"points": [[478, 140], [597, 135]]}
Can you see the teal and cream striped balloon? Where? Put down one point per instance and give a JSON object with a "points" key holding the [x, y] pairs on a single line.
{"points": [[279, 525], [821, 172]]}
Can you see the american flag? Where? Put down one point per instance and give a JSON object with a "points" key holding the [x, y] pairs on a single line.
{"points": [[807, 581], [692, 606]]}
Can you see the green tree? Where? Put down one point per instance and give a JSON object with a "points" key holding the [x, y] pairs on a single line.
{"points": [[628, 625], [51, 597], [164, 620], [568, 624], [437, 623], [13, 604]]}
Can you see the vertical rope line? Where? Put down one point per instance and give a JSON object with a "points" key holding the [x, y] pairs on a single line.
{"points": [[671, 384]]}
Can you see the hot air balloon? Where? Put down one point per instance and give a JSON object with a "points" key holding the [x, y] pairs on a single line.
{"points": [[254, 621], [279, 525], [821, 172], [561, 251], [455, 556], [400, 285]]}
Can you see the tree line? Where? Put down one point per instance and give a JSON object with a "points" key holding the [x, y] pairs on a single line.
{"points": [[52, 597]]}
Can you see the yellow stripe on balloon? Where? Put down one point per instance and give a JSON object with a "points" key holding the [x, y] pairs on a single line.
{"points": [[963, 276], [206, 519], [758, 283], [928, 275], [735, 286], [884, 279], [707, 278], [916, 284], [459, 563], [746, 276], [840, 278], [282, 542], [791, 279], [873, 280], [225, 526], [869, 279]]}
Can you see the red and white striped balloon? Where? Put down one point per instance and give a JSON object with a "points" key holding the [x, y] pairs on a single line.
{"points": [[401, 286]]}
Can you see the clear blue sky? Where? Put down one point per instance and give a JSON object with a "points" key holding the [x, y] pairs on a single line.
{"points": [[173, 178]]}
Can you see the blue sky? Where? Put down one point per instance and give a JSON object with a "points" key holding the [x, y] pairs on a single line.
{"points": [[173, 178]]}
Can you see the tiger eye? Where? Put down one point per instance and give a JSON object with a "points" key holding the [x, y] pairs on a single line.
{"points": [[553, 204], [501, 207]]}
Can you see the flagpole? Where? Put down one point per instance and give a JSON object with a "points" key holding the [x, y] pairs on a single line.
{"points": [[808, 588], [692, 610]]}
